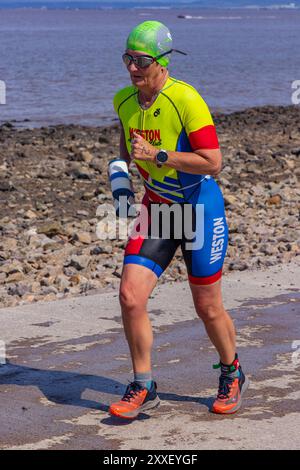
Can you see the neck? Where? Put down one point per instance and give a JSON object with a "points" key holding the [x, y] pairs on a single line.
{"points": [[148, 92]]}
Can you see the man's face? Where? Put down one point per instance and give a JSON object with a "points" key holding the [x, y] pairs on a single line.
{"points": [[141, 77]]}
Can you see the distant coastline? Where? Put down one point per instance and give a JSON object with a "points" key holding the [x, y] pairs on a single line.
{"points": [[89, 5]]}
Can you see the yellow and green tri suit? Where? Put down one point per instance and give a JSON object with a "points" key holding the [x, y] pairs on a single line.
{"points": [[178, 120]]}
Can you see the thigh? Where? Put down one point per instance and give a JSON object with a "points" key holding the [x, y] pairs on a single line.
{"points": [[205, 257], [207, 295]]}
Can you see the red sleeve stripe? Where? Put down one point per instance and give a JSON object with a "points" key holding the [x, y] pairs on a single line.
{"points": [[205, 138]]}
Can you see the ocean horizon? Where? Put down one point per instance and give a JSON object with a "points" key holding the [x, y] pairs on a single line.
{"points": [[153, 4]]}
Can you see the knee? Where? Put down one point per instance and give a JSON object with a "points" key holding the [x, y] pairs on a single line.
{"points": [[210, 312], [129, 299]]}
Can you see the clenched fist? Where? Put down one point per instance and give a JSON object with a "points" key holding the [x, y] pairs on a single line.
{"points": [[141, 149]]}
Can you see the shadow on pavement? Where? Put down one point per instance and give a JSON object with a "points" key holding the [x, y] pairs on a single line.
{"points": [[63, 387]]}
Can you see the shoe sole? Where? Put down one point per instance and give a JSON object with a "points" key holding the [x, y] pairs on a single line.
{"points": [[150, 405], [239, 404]]}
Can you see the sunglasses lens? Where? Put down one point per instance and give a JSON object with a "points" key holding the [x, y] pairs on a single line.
{"points": [[144, 61], [126, 59], [141, 61]]}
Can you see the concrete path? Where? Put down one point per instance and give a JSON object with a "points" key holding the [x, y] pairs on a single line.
{"points": [[68, 360]]}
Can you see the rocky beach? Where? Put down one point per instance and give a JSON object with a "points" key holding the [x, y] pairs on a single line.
{"points": [[53, 179]]}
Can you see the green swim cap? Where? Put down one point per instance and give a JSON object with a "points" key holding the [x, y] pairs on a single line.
{"points": [[151, 37]]}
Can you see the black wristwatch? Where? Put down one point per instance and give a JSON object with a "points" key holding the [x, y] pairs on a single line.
{"points": [[161, 157]]}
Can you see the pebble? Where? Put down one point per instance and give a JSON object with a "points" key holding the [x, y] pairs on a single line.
{"points": [[238, 266], [18, 290], [30, 215], [86, 156], [83, 213], [274, 200], [83, 237], [14, 277], [230, 200], [79, 262], [51, 229]]}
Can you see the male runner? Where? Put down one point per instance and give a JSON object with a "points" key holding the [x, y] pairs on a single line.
{"points": [[167, 130]]}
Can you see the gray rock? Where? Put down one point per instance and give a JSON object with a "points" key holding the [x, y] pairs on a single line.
{"points": [[79, 262], [296, 151], [69, 271], [97, 165], [268, 249], [18, 290], [86, 156], [80, 173], [49, 290], [50, 229], [82, 213], [230, 200], [62, 282], [108, 264], [83, 237], [97, 250], [271, 261], [42, 241], [238, 266], [6, 186], [12, 268], [15, 277]]}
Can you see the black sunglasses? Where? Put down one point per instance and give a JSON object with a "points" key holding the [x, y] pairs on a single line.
{"points": [[143, 61]]}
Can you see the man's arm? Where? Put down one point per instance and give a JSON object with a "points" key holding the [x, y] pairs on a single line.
{"points": [[123, 149], [202, 161], [124, 152]]}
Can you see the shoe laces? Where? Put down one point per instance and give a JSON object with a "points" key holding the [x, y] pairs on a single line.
{"points": [[132, 391], [225, 384], [226, 378]]}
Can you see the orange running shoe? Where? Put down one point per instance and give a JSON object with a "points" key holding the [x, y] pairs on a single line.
{"points": [[135, 400], [232, 385]]}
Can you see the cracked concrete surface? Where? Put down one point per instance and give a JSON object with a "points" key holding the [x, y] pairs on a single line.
{"points": [[68, 360]]}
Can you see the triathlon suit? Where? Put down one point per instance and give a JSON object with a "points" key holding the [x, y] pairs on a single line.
{"points": [[178, 120]]}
